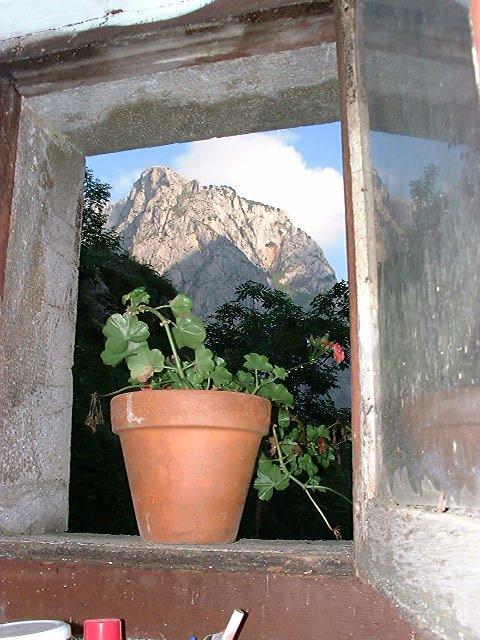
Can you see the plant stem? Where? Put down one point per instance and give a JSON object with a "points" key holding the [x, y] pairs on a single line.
{"points": [[311, 360], [337, 493], [262, 383], [165, 322], [114, 393], [297, 481]]}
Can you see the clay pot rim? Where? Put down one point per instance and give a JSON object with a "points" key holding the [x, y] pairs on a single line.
{"points": [[210, 392], [129, 411]]}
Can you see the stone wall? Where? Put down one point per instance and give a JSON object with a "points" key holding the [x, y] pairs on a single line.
{"points": [[37, 326]]}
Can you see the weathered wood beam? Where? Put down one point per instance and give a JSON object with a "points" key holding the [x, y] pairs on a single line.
{"points": [[115, 53]]}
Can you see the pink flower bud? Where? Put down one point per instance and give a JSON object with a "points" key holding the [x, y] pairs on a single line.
{"points": [[338, 353]]}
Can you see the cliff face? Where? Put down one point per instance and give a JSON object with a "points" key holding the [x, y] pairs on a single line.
{"points": [[208, 240]]}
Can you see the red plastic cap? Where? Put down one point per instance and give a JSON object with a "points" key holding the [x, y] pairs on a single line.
{"points": [[102, 629]]}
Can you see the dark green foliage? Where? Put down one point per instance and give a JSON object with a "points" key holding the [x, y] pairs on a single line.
{"points": [[297, 452], [99, 495], [269, 322], [259, 321], [289, 516], [96, 195]]}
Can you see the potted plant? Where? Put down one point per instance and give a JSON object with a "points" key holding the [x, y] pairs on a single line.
{"points": [[190, 429]]}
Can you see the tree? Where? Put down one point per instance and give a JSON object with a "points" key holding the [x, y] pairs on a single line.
{"points": [[99, 495], [268, 322], [96, 195]]}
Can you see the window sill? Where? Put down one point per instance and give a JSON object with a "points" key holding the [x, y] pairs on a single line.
{"points": [[327, 558]]}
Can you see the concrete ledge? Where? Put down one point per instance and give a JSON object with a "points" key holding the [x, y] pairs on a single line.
{"points": [[276, 556]]}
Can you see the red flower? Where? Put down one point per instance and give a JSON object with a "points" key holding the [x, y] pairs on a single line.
{"points": [[338, 353]]}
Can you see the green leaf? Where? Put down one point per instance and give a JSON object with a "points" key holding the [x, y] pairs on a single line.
{"points": [[125, 334], [283, 419], [269, 477], [204, 362], [294, 434], [276, 393], [288, 446], [196, 378], [324, 432], [145, 363], [112, 354], [173, 380], [221, 376], [305, 463], [177, 384], [189, 332], [255, 362], [280, 372], [137, 296], [126, 327], [116, 346], [181, 306], [245, 378], [312, 431], [110, 358]]}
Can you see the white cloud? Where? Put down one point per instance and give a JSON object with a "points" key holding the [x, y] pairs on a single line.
{"points": [[267, 168], [122, 182]]}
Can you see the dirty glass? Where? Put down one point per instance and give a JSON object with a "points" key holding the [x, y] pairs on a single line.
{"points": [[423, 112]]}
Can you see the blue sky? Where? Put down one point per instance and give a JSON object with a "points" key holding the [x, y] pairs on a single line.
{"points": [[298, 170], [400, 159]]}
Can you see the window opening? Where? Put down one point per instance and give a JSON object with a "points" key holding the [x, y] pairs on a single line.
{"points": [[297, 171]]}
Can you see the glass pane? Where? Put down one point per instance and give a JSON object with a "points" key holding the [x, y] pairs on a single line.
{"points": [[424, 138]]}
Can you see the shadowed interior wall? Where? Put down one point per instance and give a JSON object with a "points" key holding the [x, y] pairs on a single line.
{"points": [[420, 422], [37, 327]]}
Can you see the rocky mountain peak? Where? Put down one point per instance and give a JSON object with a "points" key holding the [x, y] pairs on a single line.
{"points": [[209, 239]]}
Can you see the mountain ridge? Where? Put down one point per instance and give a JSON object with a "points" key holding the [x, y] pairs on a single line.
{"points": [[209, 239]]}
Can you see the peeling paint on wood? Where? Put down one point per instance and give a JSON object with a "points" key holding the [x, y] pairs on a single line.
{"points": [[169, 48], [9, 122]]}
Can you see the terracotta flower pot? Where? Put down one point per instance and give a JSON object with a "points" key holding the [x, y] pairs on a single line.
{"points": [[189, 457]]}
